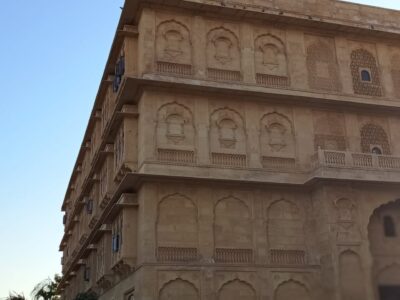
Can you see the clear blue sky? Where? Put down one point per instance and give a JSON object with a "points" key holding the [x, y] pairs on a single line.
{"points": [[52, 58]]}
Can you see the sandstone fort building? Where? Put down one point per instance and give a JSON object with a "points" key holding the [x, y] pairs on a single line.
{"points": [[241, 150]]}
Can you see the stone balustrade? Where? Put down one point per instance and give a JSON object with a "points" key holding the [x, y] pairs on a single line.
{"points": [[331, 158]]}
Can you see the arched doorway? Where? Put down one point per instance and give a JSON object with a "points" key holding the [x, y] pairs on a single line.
{"points": [[384, 238]]}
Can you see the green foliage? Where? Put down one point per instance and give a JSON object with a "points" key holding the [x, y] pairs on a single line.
{"points": [[86, 296], [47, 289]]}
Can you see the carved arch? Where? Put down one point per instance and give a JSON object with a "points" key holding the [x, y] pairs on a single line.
{"points": [[175, 127], [233, 226], [292, 289], [177, 222], [236, 289], [285, 226], [223, 51], [351, 275], [179, 289], [277, 138], [270, 56], [227, 113], [227, 131], [173, 42]]}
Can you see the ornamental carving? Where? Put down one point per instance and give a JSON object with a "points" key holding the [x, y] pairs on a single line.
{"points": [[175, 127], [374, 138], [277, 136], [363, 61], [227, 133], [270, 56], [223, 52], [173, 43], [347, 230]]}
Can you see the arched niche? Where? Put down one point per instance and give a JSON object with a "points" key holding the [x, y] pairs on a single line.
{"points": [[228, 142], [177, 228], [385, 250], [290, 290], [277, 137], [173, 43], [270, 56], [236, 290], [179, 289], [351, 276], [223, 50]]}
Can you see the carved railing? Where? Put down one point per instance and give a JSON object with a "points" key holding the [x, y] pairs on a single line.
{"points": [[232, 160], [181, 156], [176, 254], [278, 162], [287, 257], [227, 255], [224, 75], [173, 68], [272, 80], [351, 159]]}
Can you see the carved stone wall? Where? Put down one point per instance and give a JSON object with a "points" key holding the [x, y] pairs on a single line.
{"points": [[372, 136], [173, 48], [175, 133], [233, 231], [351, 275], [179, 289], [177, 229], [270, 61], [329, 130], [322, 65], [362, 59], [292, 290], [285, 232], [223, 54], [277, 141], [395, 64], [237, 290], [227, 138]]}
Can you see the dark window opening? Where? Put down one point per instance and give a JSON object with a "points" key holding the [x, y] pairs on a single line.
{"points": [[376, 150], [116, 242], [86, 274], [390, 292], [389, 226], [89, 206], [365, 76], [119, 73]]}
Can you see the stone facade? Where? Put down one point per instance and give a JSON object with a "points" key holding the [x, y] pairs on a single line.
{"points": [[241, 151]]}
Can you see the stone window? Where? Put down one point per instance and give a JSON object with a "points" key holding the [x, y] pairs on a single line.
{"points": [[89, 206], [389, 226], [365, 73], [86, 273], [117, 235]]}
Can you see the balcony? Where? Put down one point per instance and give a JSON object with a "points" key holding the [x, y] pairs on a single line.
{"points": [[356, 166]]}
